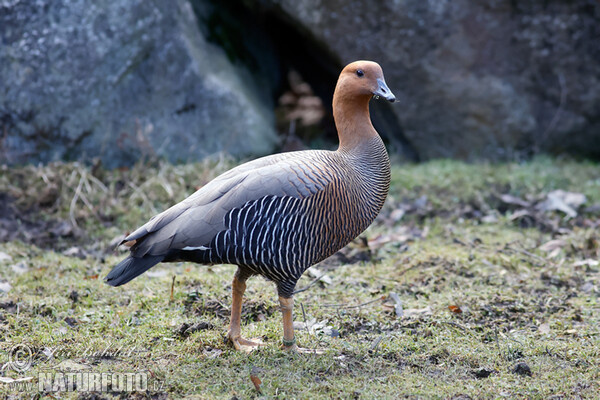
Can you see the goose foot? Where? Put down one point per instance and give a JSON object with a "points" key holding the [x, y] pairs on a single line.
{"points": [[245, 345], [293, 348]]}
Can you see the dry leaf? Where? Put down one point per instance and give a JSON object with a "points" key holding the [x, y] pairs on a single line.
{"points": [[397, 215], [455, 309], [255, 379], [510, 199], [413, 312], [553, 245], [519, 214], [380, 240], [589, 262], [213, 353], [544, 328], [91, 277], [321, 276], [74, 252], [560, 200]]}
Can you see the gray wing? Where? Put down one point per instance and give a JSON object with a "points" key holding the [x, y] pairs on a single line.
{"points": [[196, 220]]}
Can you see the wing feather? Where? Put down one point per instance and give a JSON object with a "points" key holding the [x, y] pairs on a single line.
{"points": [[196, 220]]}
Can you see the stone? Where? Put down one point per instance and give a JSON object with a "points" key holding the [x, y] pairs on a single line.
{"points": [[123, 81], [486, 79]]}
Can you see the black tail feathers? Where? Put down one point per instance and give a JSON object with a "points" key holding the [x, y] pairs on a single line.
{"points": [[129, 268]]}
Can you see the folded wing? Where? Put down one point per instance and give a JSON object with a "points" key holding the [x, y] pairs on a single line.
{"points": [[195, 221]]}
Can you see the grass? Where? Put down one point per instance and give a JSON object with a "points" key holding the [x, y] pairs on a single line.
{"points": [[498, 300]]}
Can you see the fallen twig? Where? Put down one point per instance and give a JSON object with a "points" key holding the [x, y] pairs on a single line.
{"points": [[455, 324], [74, 202], [375, 343], [312, 283], [382, 298], [172, 287]]}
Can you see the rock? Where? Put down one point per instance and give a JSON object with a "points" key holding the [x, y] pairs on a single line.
{"points": [[122, 81], [185, 79], [484, 79]]}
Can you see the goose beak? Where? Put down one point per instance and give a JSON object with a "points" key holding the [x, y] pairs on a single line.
{"points": [[384, 91]]}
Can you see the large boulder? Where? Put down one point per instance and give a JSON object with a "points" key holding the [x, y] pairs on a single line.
{"points": [[475, 79], [122, 80]]}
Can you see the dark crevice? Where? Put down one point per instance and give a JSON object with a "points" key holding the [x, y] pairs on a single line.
{"points": [[270, 42]]}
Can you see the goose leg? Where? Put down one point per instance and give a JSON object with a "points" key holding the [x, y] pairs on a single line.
{"points": [[238, 287], [289, 340]]}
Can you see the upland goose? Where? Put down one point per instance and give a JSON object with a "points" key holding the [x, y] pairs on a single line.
{"points": [[278, 215]]}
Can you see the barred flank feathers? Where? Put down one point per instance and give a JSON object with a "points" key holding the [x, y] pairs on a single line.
{"points": [[279, 237]]}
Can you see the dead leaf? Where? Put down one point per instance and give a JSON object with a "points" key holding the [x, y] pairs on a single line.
{"points": [[74, 252], [213, 353], [299, 325], [395, 237], [519, 214], [572, 199], [552, 245], [455, 309], [414, 312], [396, 215], [91, 277], [554, 253], [589, 262], [560, 200], [510, 199], [544, 328], [321, 276], [315, 327], [255, 379]]}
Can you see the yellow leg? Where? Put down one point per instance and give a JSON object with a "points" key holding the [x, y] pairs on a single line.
{"points": [[289, 340], [287, 306], [238, 287]]}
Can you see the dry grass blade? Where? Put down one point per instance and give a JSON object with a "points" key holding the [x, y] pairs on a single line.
{"points": [[74, 203]]}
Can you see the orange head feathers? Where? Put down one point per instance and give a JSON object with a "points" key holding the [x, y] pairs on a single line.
{"points": [[358, 83], [363, 79]]}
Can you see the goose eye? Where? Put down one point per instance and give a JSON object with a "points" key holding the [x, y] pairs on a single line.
{"points": [[360, 72]]}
